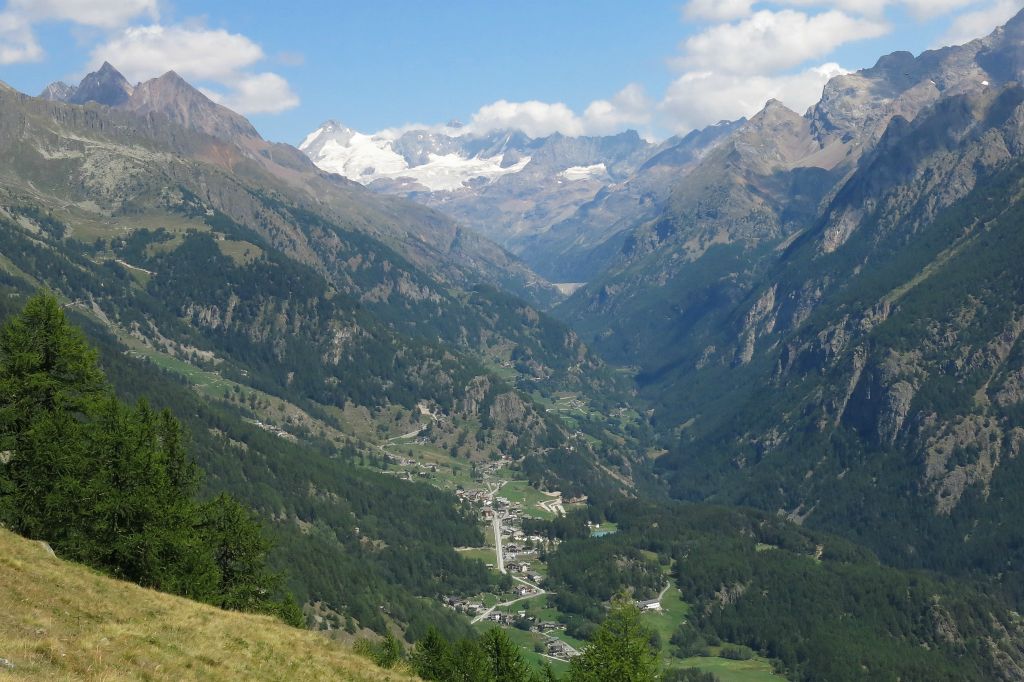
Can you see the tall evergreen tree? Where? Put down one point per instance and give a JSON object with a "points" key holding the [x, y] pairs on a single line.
{"points": [[470, 663], [244, 583], [432, 658], [49, 379], [506, 659], [620, 650]]}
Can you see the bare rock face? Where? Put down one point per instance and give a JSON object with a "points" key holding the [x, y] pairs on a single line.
{"points": [[58, 91], [894, 411], [508, 408], [759, 320], [171, 96], [106, 86], [961, 454]]}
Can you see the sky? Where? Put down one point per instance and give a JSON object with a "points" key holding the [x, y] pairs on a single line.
{"points": [[580, 67]]}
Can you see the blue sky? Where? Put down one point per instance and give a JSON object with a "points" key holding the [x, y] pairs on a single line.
{"points": [[580, 67]]}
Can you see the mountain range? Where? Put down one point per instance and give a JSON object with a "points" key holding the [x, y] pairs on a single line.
{"points": [[794, 345]]}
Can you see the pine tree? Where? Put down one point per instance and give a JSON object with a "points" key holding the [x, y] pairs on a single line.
{"points": [[506, 659], [49, 378], [471, 663], [620, 650], [432, 658], [244, 583]]}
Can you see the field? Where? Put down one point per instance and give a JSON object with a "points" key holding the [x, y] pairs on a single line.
{"points": [[754, 670], [62, 621], [664, 622]]}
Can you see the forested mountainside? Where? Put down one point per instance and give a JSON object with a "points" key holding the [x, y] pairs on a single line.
{"points": [[858, 369], [889, 355], [312, 242], [821, 607]]}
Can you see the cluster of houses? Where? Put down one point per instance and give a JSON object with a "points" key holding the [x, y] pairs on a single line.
{"points": [[474, 496], [523, 569], [463, 605]]}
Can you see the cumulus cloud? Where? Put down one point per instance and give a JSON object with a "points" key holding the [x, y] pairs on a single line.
{"points": [[699, 98], [18, 41], [142, 52], [769, 41], [262, 93], [718, 10], [536, 119], [927, 9], [222, 61], [99, 13], [980, 22], [746, 56], [17, 44], [628, 108]]}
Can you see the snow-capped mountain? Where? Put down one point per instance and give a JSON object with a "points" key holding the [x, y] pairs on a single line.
{"points": [[504, 184], [415, 160]]}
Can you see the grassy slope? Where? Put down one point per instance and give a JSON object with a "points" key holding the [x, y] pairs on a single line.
{"points": [[60, 620]]}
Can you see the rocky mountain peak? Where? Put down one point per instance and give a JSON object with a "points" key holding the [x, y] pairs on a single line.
{"points": [[773, 114], [105, 86], [174, 97], [58, 91]]}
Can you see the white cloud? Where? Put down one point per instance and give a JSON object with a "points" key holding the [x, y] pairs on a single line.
{"points": [[718, 10], [629, 108], [768, 42], [142, 52], [99, 13], [17, 43], [262, 93], [928, 9], [728, 10], [536, 119], [979, 23], [697, 99]]}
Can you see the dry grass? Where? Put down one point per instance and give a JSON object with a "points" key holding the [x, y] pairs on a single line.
{"points": [[62, 621]]}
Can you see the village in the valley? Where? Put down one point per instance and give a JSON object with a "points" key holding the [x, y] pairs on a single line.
{"points": [[502, 503]]}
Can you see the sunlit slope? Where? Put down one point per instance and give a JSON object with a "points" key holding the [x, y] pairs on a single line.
{"points": [[60, 620]]}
